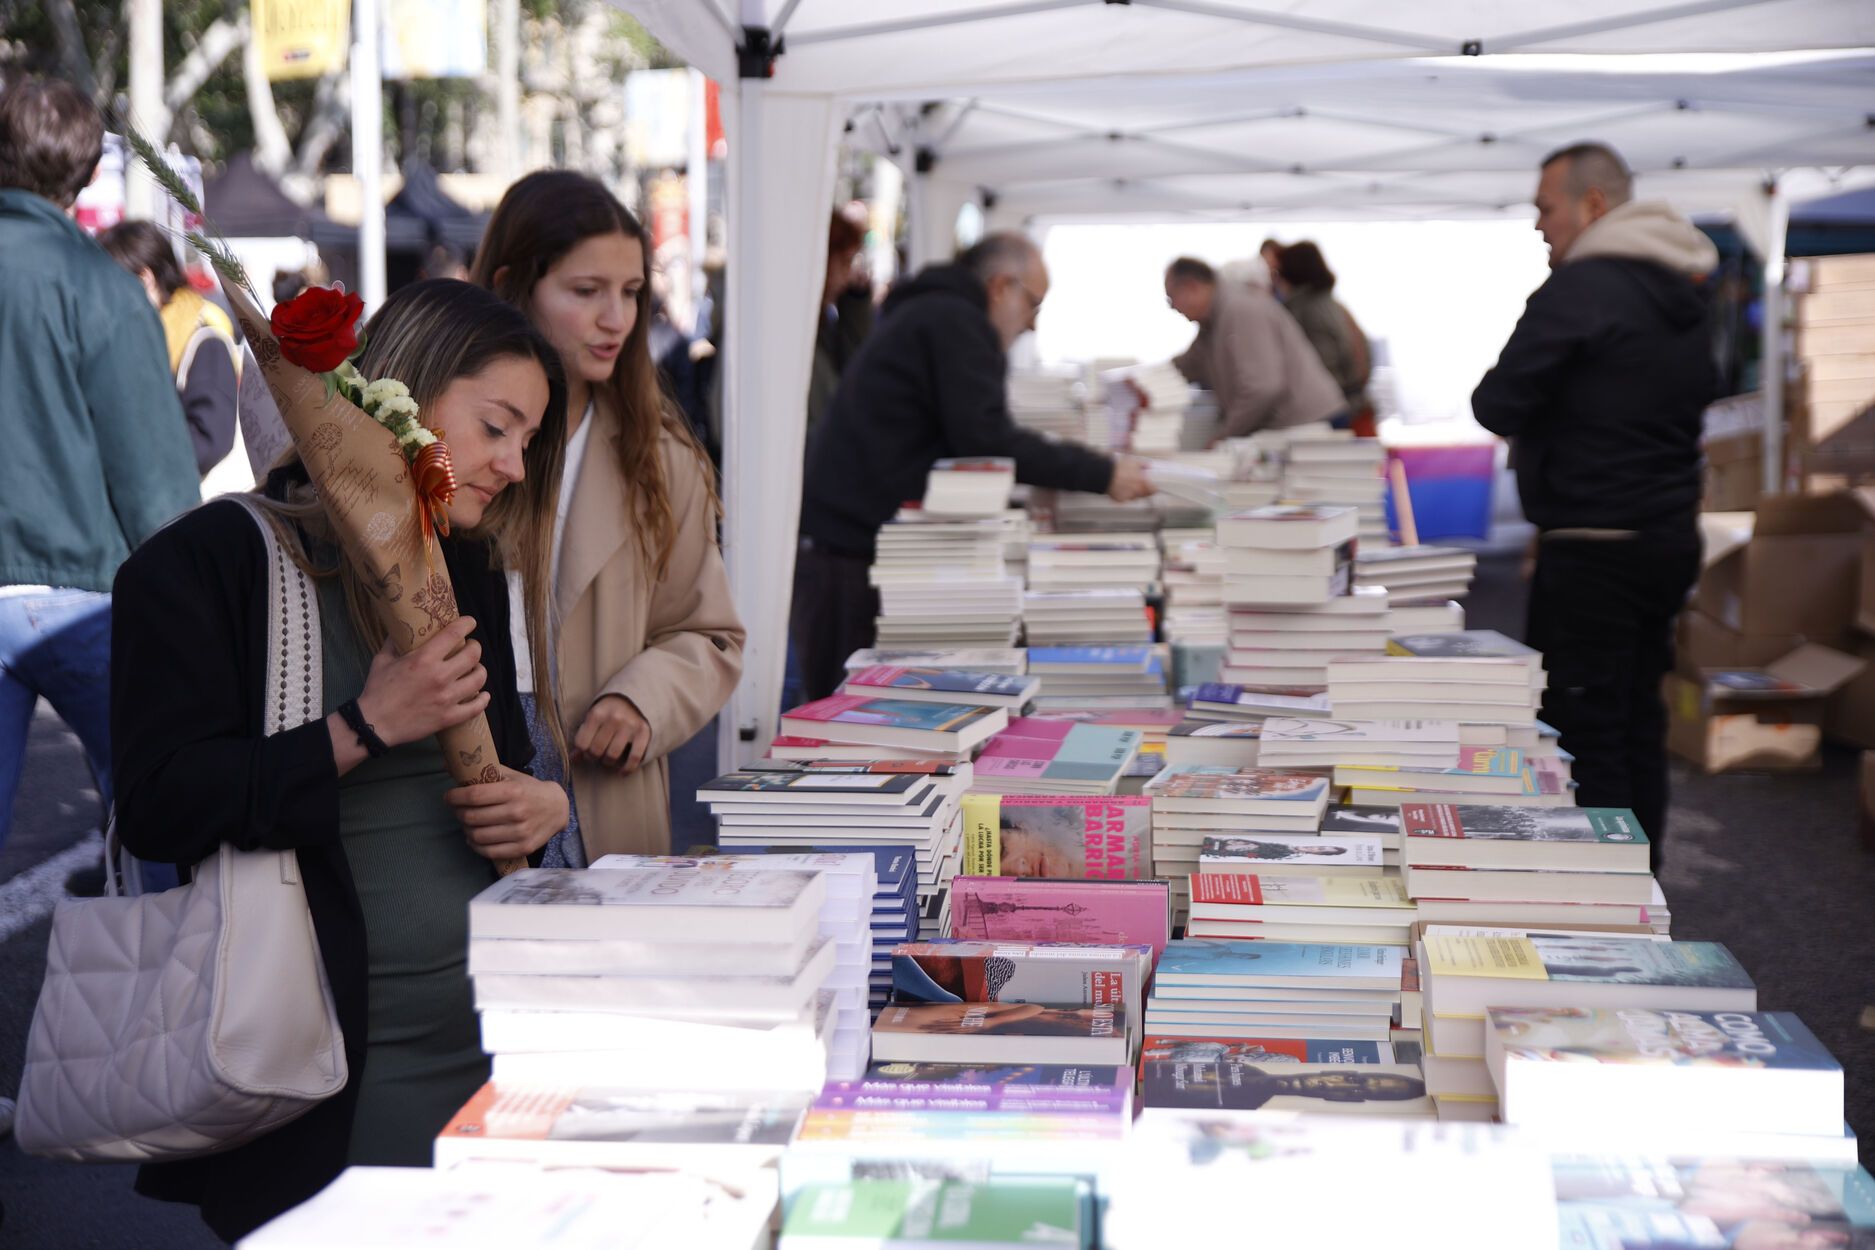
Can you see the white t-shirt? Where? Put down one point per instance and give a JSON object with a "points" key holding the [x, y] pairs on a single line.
{"points": [[517, 609]]}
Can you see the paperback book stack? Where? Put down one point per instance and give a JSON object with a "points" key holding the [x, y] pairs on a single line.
{"points": [[1158, 426], [969, 488], [1193, 803], [1430, 617], [647, 1016], [1038, 756], [1287, 555], [1476, 676], [1416, 575], [897, 725], [1296, 742], [1237, 704], [1065, 618], [944, 583], [1366, 911], [1052, 402], [1623, 1073], [1194, 593], [862, 805], [1131, 676], [1043, 835], [1059, 974], [1289, 648], [1094, 912], [1105, 562], [1227, 992], [1482, 775], [942, 685], [1009, 661], [1219, 743], [845, 921], [1571, 868], [1464, 977], [1343, 472]]}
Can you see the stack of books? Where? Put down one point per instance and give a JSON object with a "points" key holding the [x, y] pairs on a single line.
{"points": [[1523, 866], [1482, 775], [942, 685], [1194, 592], [1238, 704], [944, 583], [1055, 1211], [1230, 991], [996, 1033], [976, 487], [1060, 618], [1033, 835], [931, 730], [845, 921], [1430, 617], [1271, 648], [1363, 910], [636, 1010], [1060, 974], [1287, 555], [1010, 661], [1118, 676], [1109, 562], [1416, 575], [1343, 472], [1219, 743], [1475, 676], [894, 915], [1093, 912], [1193, 803], [832, 805], [1297, 742], [1690, 1195], [1464, 977], [1051, 402], [1624, 1072], [1038, 756]]}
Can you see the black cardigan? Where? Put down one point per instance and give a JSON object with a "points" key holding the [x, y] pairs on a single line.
{"points": [[193, 769]]}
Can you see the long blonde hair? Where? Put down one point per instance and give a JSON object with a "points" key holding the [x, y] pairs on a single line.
{"points": [[427, 336], [540, 219]]}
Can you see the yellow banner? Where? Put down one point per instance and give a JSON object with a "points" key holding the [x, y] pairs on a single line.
{"points": [[302, 38]]}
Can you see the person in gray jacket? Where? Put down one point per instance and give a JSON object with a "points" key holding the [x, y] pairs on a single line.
{"points": [[1250, 353]]}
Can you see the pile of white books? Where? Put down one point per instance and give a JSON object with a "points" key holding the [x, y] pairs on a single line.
{"points": [[679, 978], [974, 487], [1287, 555], [1297, 907], [1219, 989], [1193, 803], [1290, 647], [1415, 575], [1127, 676], [845, 920], [1011, 660], [1471, 675], [517, 1206], [1344, 471], [1432, 616], [1052, 402], [1110, 562], [1518, 865], [1064, 617], [1293, 742], [944, 583], [864, 805]]}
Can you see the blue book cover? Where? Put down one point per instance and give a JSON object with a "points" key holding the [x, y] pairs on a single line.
{"points": [[939, 680], [897, 865], [1197, 961], [848, 709], [1127, 659], [1626, 961]]}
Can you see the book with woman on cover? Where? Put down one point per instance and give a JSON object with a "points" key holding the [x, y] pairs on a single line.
{"points": [[1342, 1088]]}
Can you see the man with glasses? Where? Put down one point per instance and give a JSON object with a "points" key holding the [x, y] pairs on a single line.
{"points": [[929, 384], [1250, 352]]}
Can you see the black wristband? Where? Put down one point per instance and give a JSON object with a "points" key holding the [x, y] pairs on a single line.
{"points": [[354, 716]]}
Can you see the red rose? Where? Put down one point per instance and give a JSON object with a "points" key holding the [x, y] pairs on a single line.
{"points": [[318, 328]]}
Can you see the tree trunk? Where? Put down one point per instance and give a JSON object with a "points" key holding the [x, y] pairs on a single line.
{"points": [[272, 150], [74, 57]]}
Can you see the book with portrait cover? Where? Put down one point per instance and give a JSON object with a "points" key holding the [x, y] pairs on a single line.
{"points": [[1276, 854], [1033, 909], [1249, 791], [1589, 839], [1027, 835], [1263, 1050], [1393, 1090]]}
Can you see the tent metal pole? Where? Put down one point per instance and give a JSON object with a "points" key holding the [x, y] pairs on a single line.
{"points": [[780, 24], [841, 34], [1626, 21], [1315, 26], [368, 150], [938, 144], [716, 10], [1772, 356]]}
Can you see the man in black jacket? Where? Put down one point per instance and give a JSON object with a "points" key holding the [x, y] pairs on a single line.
{"points": [[929, 384], [1601, 389]]}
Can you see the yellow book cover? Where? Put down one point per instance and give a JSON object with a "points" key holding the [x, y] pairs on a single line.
{"points": [[1335, 891], [1512, 958], [983, 835]]}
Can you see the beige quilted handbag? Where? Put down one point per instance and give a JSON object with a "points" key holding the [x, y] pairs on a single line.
{"points": [[188, 1022]]}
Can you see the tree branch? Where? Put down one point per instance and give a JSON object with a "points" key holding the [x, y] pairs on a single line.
{"points": [[272, 151], [221, 38]]}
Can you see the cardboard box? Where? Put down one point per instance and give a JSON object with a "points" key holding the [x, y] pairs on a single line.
{"points": [[1701, 642], [1779, 730], [1798, 573], [1734, 474]]}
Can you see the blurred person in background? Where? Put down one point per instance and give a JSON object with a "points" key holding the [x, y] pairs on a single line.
{"points": [[835, 344], [1270, 252], [1601, 390], [200, 337], [1306, 286], [1249, 352], [97, 454], [931, 382]]}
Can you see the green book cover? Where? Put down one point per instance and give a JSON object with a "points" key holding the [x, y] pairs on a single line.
{"points": [[901, 1214]]}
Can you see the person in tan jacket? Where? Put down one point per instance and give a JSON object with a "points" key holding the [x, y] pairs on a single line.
{"points": [[649, 645], [1250, 353]]}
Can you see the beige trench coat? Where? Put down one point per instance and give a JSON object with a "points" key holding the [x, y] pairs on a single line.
{"points": [[674, 648]]}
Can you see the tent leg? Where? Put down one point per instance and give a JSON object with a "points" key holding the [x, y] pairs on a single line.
{"points": [[1772, 356]]}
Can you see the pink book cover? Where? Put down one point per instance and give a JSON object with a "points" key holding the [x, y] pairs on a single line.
{"points": [[1030, 909]]}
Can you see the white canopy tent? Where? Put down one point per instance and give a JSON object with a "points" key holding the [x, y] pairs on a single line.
{"points": [[799, 70]]}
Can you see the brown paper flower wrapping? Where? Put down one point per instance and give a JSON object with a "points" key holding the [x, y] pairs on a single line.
{"points": [[366, 487]]}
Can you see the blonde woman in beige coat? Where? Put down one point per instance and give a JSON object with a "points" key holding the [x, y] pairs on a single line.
{"points": [[649, 645]]}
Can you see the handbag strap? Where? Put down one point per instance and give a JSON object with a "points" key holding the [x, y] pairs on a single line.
{"points": [[295, 679]]}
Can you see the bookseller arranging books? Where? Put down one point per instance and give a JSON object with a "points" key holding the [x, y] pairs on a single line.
{"points": [[928, 384]]}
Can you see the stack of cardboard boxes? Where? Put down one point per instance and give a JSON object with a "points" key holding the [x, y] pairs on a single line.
{"points": [[1832, 403]]}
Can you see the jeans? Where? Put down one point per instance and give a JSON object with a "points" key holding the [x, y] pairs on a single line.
{"points": [[55, 644], [1601, 612]]}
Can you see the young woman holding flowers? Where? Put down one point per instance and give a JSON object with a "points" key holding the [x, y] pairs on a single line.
{"points": [[649, 644], [389, 847]]}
